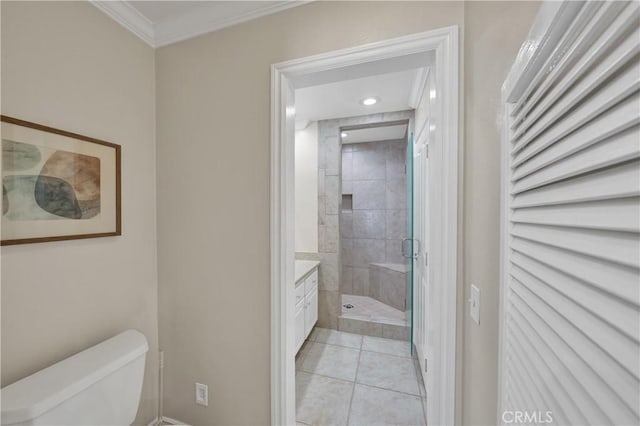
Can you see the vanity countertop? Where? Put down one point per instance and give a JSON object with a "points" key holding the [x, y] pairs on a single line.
{"points": [[303, 267]]}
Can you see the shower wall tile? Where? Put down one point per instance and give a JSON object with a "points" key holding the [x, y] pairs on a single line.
{"points": [[394, 252], [328, 309], [347, 165], [395, 162], [387, 286], [369, 164], [361, 281], [332, 194], [369, 195], [347, 187], [321, 186], [346, 250], [328, 275], [396, 193], [369, 224], [366, 251], [346, 280], [328, 235], [332, 155], [396, 224], [346, 226]]}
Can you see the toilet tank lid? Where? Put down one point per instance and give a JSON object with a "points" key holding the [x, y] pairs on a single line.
{"points": [[34, 395]]}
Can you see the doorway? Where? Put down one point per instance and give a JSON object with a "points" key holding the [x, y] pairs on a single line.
{"points": [[434, 336]]}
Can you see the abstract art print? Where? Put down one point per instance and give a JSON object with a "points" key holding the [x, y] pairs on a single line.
{"points": [[57, 185]]}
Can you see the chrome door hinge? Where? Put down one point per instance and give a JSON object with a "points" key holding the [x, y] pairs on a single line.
{"points": [[425, 365]]}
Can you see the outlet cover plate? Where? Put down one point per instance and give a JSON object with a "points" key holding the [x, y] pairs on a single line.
{"points": [[202, 394]]}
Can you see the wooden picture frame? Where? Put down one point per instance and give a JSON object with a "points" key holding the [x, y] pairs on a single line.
{"points": [[57, 185]]}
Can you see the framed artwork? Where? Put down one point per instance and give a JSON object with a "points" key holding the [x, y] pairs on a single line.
{"points": [[57, 185]]}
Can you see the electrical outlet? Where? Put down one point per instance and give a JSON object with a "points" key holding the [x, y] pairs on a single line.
{"points": [[474, 304], [202, 394]]}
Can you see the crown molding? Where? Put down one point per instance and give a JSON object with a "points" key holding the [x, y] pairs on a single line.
{"points": [[128, 16], [183, 26], [198, 22]]}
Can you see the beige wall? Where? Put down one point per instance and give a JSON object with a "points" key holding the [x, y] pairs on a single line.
{"points": [[306, 177], [213, 252], [493, 32], [214, 238], [69, 66]]}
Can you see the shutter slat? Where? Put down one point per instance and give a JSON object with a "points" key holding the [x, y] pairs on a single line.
{"points": [[605, 17], [571, 262], [621, 86], [624, 179], [575, 84], [559, 57], [539, 395], [612, 355], [618, 281], [550, 329], [611, 310], [617, 149], [620, 117], [610, 246], [534, 356], [613, 215], [547, 363]]}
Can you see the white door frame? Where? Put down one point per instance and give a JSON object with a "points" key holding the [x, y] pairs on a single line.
{"points": [[444, 43]]}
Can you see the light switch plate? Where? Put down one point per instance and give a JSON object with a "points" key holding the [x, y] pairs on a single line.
{"points": [[474, 304]]}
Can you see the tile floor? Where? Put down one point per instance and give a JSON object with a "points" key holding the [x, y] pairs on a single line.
{"points": [[349, 379]]}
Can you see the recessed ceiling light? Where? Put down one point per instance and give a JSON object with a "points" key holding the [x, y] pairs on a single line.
{"points": [[344, 134], [369, 101]]}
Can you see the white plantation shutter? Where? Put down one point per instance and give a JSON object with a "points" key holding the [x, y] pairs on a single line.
{"points": [[571, 227]]}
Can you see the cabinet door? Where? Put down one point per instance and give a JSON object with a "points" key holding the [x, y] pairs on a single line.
{"points": [[299, 319], [311, 310]]}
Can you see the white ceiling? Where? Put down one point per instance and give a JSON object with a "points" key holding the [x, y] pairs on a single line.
{"points": [[373, 134], [160, 23], [342, 98]]}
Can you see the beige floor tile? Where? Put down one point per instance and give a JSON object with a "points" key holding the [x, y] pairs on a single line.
{"points": [[322, 400], [388, 372], [372, 406], [339, 338], [387, 346], [331, 360]]}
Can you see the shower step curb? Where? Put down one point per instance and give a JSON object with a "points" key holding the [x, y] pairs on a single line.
{"points": [[373, 327]]}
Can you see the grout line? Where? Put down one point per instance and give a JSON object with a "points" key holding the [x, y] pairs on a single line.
{"points": [[339, 346], [389, 390], [384, 353], [353, 392], [328, 377]]}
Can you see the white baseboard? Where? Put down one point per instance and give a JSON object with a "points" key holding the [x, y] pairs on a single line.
{"points": [[167, 420]]}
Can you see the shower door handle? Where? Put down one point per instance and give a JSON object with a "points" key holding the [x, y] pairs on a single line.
{"points": [[410, 248]]}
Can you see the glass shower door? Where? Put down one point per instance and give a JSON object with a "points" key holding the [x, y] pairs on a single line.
{"points": [[409, 244]]}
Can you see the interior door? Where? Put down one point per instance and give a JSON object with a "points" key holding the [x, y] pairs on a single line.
{"points": [[423, 126]]}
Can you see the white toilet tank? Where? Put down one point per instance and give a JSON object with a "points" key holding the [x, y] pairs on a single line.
{"points": [[98, 386]]}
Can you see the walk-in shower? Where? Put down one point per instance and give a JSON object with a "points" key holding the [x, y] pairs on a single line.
{"points": [[374, 221]]}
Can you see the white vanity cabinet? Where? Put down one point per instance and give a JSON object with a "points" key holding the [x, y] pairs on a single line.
{"points": [[306, 308]]}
